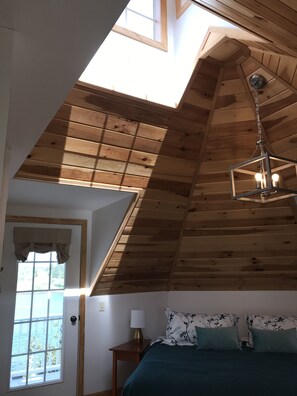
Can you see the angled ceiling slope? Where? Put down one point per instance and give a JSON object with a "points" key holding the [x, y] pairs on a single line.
{"points": [[52, 44], [275, 21], [185, 232]]}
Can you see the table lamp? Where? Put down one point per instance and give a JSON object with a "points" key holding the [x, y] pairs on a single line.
{"points": [[137, 322]]}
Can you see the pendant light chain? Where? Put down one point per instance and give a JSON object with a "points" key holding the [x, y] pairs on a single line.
{"points": [[260, 141]]}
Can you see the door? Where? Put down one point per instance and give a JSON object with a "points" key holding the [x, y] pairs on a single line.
{"points": [[39, 313]]}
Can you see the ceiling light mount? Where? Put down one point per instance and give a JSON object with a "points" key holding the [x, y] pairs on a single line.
{"points": [[257, 81], [264, 177]]}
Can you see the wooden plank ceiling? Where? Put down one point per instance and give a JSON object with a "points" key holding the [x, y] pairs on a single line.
{"points": [[273, 20], [185, 232]]}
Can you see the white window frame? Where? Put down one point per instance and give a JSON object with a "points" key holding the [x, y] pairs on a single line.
{"points": [[161, 19]]}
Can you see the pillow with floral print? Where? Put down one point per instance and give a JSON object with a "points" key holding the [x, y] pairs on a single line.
{"points": [[181, 326], [266, 322]]}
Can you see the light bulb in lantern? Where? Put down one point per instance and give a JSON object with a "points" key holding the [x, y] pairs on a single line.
{"points": [[258, 178], [275, 179]]}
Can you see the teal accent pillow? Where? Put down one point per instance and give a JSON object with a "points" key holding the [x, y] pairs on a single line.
{"points": [[220, 338], [274, 340]]}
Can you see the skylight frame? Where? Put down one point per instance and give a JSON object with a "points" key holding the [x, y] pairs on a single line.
{"points": [[160, 18], [181, 6]]}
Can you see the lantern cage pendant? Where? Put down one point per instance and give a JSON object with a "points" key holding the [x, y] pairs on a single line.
{"points": [[264, 177]]}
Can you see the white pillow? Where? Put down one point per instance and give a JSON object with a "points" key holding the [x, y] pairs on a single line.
{"points": [[181, 330], [266, 322]]}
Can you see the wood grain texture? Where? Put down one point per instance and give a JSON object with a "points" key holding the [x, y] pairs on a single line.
{"points": [[184, 231], [273, 21]]}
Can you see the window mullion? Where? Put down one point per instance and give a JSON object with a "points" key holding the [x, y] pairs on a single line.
{"points": [[47, 321], [153, 19], [30, 323]]}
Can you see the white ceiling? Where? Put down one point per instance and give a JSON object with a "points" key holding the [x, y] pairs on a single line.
{"points": [[61, 196], [53, 41]]}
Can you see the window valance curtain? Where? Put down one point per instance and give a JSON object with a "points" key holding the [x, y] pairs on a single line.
{"points": [[42, 240]]}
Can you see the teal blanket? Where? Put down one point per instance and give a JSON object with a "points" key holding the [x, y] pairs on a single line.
{"points": [[185, 371]]}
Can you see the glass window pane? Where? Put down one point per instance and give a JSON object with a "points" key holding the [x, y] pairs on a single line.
{"points": [[57, 276], [25, 276], [54, 334], [43, 256], [122, 19], [36, 368], [38, 336], [142, 17], [140, 25], [56, 304], [143, 7], [31, 256], [54, 256], [40, 302], [20, 338], [22, 306], [18, 371], [41, 276], [53, 365]]}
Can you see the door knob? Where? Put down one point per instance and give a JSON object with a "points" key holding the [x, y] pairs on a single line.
{"points": [[73, 319]]}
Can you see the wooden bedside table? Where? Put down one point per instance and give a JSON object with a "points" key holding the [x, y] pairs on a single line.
{"points": [[129, 351]]}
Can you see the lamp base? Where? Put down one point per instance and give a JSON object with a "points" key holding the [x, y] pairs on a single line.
{"points": [[138, 337]]}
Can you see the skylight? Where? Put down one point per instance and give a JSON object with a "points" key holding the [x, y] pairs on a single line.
{"points": [[145, 21], [126, 65], [140, 17]]}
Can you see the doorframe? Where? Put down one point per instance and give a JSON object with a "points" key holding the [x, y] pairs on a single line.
{"points": [[82, 283]]}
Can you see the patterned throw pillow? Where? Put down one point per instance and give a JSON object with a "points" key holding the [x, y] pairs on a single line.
{"points": [[181, 326], [265, 322]]}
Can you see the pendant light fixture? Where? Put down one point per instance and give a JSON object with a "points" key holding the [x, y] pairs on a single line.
{"points": [[264, 177]]}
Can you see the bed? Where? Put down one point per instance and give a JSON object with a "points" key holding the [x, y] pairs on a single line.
{"points": [[185, 371], [168, 368]]}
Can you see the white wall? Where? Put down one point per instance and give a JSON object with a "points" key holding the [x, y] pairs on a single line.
{"points": [[239, 302], [6, 42], [189, 32], [47, 32], [105, 224], [112, 327]]}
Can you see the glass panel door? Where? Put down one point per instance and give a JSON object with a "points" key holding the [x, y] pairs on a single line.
{"points": [[39, 343], [37, 346]]}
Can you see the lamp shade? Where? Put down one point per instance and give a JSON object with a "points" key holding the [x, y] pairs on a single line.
{"points": [[137, 319]]}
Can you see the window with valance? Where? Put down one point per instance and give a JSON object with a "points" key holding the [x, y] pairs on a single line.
{"points": [[42, 240]]}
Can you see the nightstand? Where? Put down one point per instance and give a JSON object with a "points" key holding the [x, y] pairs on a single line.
{"points": [[130, 351]]}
